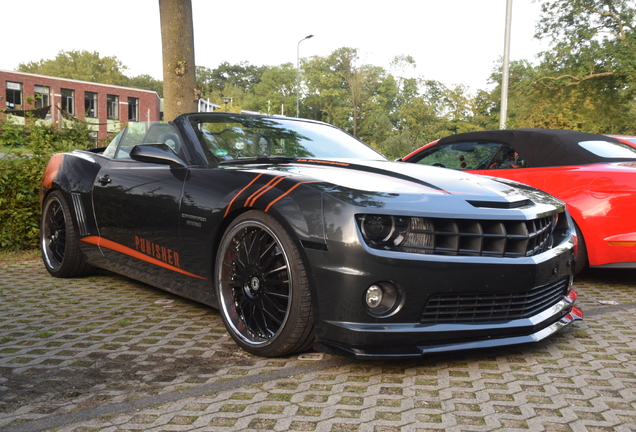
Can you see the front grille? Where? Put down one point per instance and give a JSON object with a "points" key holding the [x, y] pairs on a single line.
{"points": [[488, 307], [509, 238]]}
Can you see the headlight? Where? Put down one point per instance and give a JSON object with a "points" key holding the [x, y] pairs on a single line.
{"points": [[403, 233], [382, 230]]}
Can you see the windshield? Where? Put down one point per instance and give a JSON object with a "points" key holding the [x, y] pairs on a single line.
{"points": [[231, 138]]}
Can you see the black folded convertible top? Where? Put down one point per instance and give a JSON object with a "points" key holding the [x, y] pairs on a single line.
{"points": [[543, 147]]}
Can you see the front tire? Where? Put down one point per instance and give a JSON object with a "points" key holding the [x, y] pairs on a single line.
{"points": [[59, 241], [262, 287]]}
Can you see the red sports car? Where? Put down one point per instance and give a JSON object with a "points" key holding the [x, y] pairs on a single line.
{"points": [[594, 174]]}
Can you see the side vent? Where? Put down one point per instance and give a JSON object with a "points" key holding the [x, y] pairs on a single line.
{"points": [[79, 212]]}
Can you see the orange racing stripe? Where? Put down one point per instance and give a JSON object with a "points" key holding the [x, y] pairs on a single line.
{"points": [[109, 244], [256, 195], [227, 210], [288, 192]]}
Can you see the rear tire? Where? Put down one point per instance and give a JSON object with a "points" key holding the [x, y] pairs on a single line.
{"points": [[59, 241], [581, 260], [262, 288]]}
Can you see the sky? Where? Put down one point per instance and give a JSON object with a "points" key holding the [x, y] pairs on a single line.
{"points": [[452, 41]]}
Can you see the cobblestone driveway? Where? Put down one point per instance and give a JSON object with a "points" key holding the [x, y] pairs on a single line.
{"points": [[108, 353]]}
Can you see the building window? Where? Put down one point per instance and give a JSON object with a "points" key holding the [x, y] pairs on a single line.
{"points": [[90, 104], [112, 107], [14, 96], [133, 109], [68, 101], [42, 98]]}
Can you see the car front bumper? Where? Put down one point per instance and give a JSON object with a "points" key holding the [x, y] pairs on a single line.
{"points": [[345, 327], [565, 309]]}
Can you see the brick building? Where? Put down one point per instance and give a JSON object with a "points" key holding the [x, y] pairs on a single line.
{"points": [[102, 106]]}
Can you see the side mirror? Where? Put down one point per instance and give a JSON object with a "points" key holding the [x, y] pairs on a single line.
{"points": [[156, 153]]}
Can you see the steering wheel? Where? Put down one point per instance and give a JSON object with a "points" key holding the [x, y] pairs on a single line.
{"points": [[438, 164]]}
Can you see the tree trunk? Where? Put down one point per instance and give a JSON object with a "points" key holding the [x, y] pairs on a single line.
{"points": [[177, 40]]}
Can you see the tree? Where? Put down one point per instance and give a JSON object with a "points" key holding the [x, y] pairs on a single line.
{"points": [[275, 93], [587, 81], [591, 40], [324, 97], [437, 112], [586, 106], [242, 75], [146, 82], [179, 70], [339, 90], [360, 83], [80, 65]]}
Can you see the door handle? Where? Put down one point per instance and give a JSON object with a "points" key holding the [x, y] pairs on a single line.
{"points": [[104, 180]]}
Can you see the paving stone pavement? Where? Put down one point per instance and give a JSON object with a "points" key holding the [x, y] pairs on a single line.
{"points": [[106, 353]]}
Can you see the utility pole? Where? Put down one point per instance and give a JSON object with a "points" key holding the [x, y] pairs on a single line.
{"points": [[505, 76]]}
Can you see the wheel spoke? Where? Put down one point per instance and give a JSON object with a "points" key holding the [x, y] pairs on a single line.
{"points": [[259, 321], [274, 283], [272, 317], [237, 258], [274, 305], [268, 247], [252, 249], [239, 266], [276, 270], [280, 296], [274, 256]]}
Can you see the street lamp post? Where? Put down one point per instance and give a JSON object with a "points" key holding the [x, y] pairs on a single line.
{"points": [[298, 72], [226, 100]]}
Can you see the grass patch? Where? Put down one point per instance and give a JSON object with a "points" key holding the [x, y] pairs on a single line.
{"points": [[44, 334]]}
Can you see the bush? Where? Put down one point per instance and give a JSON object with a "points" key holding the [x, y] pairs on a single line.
{"points": [[20, 175]]}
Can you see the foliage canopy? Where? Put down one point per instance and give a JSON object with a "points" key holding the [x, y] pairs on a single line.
{"points": [[21, 173]]}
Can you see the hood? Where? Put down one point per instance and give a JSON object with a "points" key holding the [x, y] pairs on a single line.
{"points": [[409, 179]]}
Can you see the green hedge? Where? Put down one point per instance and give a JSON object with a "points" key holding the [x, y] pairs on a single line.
{"points": [[27, 149]]}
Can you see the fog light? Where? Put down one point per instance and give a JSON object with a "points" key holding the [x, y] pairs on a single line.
{"points": [[383, 299], [374, 296]]}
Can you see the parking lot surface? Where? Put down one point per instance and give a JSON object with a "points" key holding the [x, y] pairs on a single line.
{"points": [[106, 353]]}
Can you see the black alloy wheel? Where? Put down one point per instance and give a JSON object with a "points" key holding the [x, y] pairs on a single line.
{"points": [[263, 291], [58, 239]]}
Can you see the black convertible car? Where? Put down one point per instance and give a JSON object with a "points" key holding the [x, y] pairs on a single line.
{"points": [[303, 236]]}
